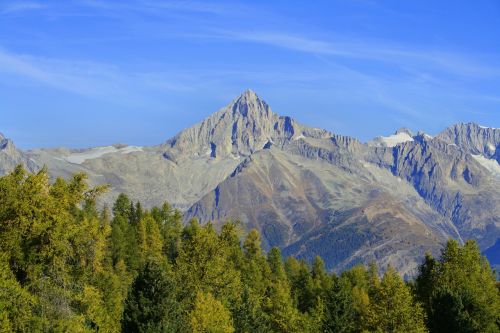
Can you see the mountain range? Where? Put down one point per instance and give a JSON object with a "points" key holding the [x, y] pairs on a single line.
{"points": [[307, 190]]}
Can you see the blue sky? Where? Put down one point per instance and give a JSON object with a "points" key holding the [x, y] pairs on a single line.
{"points": [[86, 72]]}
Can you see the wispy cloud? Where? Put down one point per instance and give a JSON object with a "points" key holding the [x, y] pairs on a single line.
{"points": [[21, 6], [84, 77], [419, 60], [379, 51], [388, 73]]}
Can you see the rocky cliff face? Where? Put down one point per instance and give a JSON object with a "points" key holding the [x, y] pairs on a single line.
{"points": [[474, 139], [10, 156], [307, 190], [452, 182], [243, 127]]}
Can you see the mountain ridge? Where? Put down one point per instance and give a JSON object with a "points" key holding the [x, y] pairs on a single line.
{"points": [[306, 190]]}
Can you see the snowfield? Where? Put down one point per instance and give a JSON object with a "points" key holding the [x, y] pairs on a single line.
{"points": [[490, 164], [395, 139], [79, 158]]}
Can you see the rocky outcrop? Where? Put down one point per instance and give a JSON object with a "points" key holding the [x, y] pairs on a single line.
{"points": [[243, 127], [451, 181], [10, 157], [474, 139]]}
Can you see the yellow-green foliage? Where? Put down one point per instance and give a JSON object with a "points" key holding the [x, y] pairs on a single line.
{"points": [[209, 315], [66, 266]]}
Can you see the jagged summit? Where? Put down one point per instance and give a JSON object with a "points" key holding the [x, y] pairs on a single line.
{"points": [[244, 126], [6, 144], [474, 139], [10, 156], [248, 104], [404, 130]]}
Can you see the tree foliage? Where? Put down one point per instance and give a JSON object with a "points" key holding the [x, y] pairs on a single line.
{"points": [[459, 291], [68, 266]]}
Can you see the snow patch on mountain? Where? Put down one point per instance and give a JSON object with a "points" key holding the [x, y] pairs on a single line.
{"points": [[80, 157], [299, 137], [392, 140], [490, 164], [486, 127]]}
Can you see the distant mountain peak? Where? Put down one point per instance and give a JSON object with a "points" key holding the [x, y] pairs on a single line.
{"points": [[404, 130], [249, 94], [249, 104], [244, 126], [474, 139], [6, 144]]}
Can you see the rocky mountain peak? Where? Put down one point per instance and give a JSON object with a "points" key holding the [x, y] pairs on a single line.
{"points": [[6, 144], [404, 130], [249, 102], [473, 138], [245, 125], [10, 156], [251, 108]]}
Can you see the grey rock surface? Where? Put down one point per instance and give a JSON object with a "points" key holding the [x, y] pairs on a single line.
{"points": [[10, 157]]}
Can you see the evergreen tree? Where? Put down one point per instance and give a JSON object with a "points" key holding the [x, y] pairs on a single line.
{"points": [[458, 291], [151, 305], [55, 243], [171, 230], [278, 305], [301, 283], [149, 239], [121, 206], [392, 308], [341, 314], [204, 264], [209, 315], [120, 239], [249, 316], [15, 302]]}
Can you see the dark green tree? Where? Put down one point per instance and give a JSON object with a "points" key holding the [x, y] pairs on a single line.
{"points": [[121, 206], [458, 290], [151, 304]]}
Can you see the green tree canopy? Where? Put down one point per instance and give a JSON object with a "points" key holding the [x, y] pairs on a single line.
{"points": [[458, 290]]}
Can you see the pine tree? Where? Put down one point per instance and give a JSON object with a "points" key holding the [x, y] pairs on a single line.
{"points": [[15, 302], [151, 304], [209, 315], [149, 239], [119, 239], [301, 283], [278, 305], [393, 308], [204, 264], [249, 316], [169, 222], [341, 313], [54, 241], [458, 291], [121, 206]]}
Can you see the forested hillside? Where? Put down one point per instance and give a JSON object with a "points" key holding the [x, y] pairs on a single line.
{"points": [[66, 266]]}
